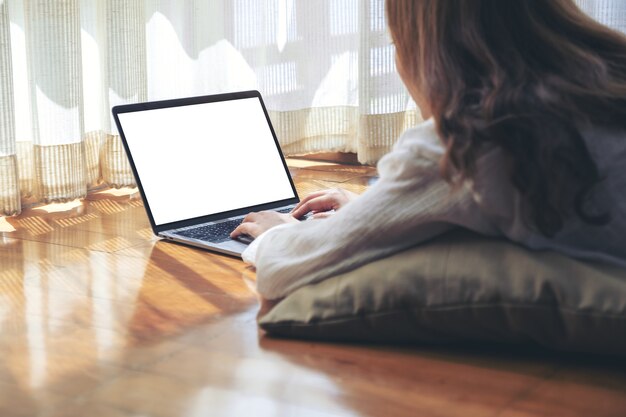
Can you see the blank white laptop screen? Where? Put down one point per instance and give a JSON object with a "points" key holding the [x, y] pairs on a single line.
{"points": [[203, 159]]}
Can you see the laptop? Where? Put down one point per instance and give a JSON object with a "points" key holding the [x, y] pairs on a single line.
{"points": [[203, 163]]}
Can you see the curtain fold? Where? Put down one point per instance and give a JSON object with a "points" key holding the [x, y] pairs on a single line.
{"points": [[9, 183], [52, 32], [325, 68], [114, 70]]}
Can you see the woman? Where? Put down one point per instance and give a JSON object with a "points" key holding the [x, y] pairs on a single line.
{"points": [[526, 140]]}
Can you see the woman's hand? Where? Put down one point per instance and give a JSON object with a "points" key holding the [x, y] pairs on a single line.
{"points": [[256, 223], [321, 202]]}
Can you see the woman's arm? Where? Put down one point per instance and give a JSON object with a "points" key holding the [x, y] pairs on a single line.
{"points": [[409, 204]]}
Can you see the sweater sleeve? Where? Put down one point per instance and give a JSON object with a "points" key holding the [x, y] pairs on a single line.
{"points": [[409, 204]]}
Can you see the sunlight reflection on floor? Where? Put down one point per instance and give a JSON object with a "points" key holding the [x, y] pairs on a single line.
{"points": [[5, 226], [61, 207], [118, 192]]}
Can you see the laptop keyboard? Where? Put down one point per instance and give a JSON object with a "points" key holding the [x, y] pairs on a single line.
{"points": [[216, 232]]}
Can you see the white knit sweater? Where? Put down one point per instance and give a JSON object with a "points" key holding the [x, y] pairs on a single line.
{"points": [[411, 203]]}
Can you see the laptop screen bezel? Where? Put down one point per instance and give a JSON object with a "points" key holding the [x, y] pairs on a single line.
{"points": [[188, 101]]}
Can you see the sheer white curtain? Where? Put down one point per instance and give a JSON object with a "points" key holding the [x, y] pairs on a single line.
{"points": [[325, 68], [609, 12]]}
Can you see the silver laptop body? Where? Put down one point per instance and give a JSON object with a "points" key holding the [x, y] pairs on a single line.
{"points": [[203, 163]]}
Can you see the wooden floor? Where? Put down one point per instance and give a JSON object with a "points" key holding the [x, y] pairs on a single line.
{"points": [[98, 318]]}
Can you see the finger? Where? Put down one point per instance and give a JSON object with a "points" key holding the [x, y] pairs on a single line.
{"points": [[323, 215], [316, 204], [323, 203], [300, 211], [238, 231], [247, 228], [308, 198], [250, 217]]}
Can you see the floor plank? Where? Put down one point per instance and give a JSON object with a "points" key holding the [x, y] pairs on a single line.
{"points": [[98, 317]]}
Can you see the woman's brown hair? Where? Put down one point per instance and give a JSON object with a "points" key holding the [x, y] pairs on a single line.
{"points": [[524, 75]]}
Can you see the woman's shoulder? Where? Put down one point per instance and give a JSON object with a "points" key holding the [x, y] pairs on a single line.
{"points": [[416, 153], [422, 139]]}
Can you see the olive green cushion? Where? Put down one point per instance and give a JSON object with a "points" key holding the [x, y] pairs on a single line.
{"points": [[464, 287]]}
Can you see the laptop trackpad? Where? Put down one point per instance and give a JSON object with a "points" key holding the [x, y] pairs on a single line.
{"points": [[233, 245]]}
